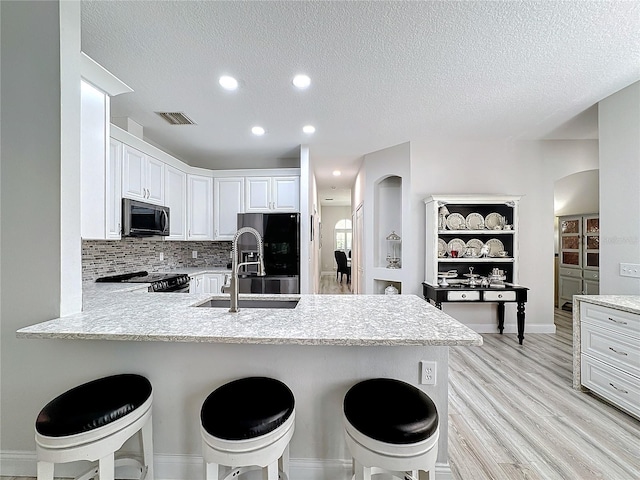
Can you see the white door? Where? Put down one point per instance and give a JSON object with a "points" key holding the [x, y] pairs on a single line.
{"points": [[114, 190], [199, 208], [228, 202], [286, 194], [196, 284], [357, 256], [155, 181], [175, 197], [133, 174], [212, 283], [258, 194]]}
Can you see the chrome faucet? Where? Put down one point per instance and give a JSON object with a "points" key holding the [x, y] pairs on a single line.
{"points": [[235, 266]]}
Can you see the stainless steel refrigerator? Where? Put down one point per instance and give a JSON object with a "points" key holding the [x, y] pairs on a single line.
{"points": [[280, 233]]}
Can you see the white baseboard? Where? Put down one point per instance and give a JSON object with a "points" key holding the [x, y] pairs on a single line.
{"points": [[189, 467], [511, 328]]}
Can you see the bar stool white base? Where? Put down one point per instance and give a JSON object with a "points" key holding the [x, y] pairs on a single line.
{"points": [[100, 444], [227, 459], [415, 461]]}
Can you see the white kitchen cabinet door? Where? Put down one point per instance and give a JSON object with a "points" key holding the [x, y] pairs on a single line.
{"points": [[286, 194], [272, 194], [567, 288], [213, 283], [228, 202], [155, 181], [175, 197], [196, 284], [142, 176], [114, 191], [258, 194], [199, 207], [133, 174]]}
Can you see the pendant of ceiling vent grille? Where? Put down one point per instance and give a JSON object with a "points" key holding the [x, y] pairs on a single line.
{"points": [[176, 118]]}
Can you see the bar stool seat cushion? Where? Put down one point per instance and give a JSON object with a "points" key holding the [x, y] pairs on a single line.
{"points": [[93, 405], [247, 408], [390, 411]]}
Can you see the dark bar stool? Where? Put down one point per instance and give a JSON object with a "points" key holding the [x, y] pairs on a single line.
{"points": [[391, 427], [92, 421], [246, 425]]}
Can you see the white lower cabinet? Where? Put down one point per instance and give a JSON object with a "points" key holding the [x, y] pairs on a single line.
{"points": [[610, 355], [199, 207], [207, 283]]}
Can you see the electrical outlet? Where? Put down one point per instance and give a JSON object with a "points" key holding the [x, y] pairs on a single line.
{"points": [[161, 257], [194, 254], [427, 372], [630, 270]]}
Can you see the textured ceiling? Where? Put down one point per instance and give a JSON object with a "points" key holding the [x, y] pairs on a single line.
{"points": [[382, 73]]}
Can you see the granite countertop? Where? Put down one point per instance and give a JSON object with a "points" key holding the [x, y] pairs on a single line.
{"points": [[126, 312], [626, 303]]}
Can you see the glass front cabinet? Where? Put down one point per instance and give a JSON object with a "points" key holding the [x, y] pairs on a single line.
{"points": [[579, 252]]}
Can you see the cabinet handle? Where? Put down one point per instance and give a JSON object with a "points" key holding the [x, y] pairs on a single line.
{"points": [[619, 389], [616, 351], [499, 295], [617, 321], [464, 295]]}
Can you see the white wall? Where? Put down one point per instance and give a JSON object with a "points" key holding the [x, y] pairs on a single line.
{"points": [[331, 215], [30, 266], [619, 124], [577, 194], [513, 168], [392, 161]]}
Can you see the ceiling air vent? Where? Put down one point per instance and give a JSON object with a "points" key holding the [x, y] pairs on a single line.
{"points": [[176, 118]]}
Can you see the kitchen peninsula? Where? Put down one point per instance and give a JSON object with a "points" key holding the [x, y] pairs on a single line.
{"points": [[319, 348]]}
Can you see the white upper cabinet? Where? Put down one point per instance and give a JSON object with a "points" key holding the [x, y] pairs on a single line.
{"points": [[114, 191], [175, 197], [228, 202], [199, 207], [101, 168], [142, 177], [286, 194], [272, 194]]}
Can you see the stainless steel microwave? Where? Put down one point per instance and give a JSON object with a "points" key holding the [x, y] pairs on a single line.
{"points": [[140, 219]]}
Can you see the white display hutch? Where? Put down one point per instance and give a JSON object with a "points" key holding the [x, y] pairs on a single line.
{"points": [[484, 205]]}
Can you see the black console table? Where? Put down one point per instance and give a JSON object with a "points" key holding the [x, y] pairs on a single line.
{"points": [[464, 293]]}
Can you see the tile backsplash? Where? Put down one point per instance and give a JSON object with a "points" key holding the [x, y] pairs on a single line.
{"points": [[109, 257]]}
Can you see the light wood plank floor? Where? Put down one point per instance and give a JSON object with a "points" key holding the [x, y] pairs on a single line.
{"points": [[330, 286], [514, 415]]}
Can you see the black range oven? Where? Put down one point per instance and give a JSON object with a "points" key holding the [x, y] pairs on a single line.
{"points": [[158, 282]]}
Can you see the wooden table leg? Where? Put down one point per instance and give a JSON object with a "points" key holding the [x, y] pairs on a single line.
{"points": [[501, 317], [520, 322]]}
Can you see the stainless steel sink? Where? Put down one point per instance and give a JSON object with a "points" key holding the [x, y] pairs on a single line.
{"points": [[250, 303]]}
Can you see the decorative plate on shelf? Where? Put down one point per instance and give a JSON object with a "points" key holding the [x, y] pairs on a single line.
{"points": [[493, 220], [475, 221], [458, 245], [442, 247], [454, 221], [475, 244], [495, 246]]}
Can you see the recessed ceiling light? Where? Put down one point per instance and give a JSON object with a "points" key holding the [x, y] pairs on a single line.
{"points": [[337, 173], [309, 129], [301, 81], [257, 131], [228, 83]]}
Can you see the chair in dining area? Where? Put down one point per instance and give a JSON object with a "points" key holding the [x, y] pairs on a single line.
{"points": [[343, 267]]}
